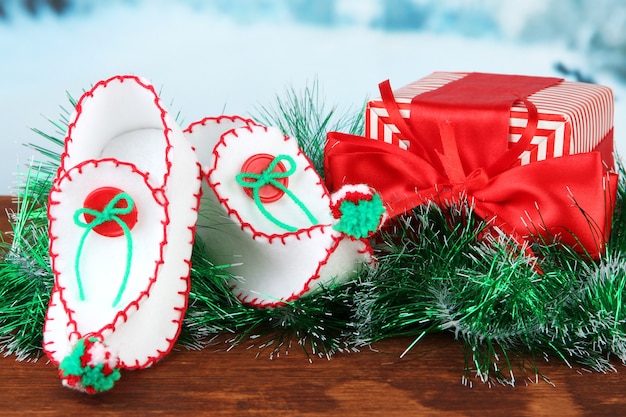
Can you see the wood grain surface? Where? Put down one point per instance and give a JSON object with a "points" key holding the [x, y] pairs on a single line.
{"points": [[373, 382]]}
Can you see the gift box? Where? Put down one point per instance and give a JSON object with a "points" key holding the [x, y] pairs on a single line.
{"points": [[573, 118], [532, 156]]}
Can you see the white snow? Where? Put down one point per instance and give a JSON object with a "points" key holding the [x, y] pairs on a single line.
{"points": [[206, 63]]}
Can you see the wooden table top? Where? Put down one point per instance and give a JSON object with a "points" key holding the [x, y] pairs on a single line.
{"points": [[373, 382]]}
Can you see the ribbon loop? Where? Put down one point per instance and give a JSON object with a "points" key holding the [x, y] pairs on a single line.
{"points": [[476, 180]]}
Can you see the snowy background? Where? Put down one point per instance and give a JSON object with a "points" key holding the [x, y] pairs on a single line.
{"points": [[232, 56]]}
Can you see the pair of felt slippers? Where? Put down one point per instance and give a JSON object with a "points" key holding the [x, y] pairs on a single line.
{"points": [[134, 190]]}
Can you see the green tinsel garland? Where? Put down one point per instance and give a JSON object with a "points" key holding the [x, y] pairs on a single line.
{"points": [[433, 274]]}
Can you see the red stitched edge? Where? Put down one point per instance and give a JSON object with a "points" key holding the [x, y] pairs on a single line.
{"points": [[179, 322], [230, 211], [307, 286], [123, 314], [270, 237], [219, 120], [103, 84], [156, 192]]}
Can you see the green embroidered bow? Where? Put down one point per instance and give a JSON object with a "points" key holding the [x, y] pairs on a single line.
{"points": [[108, 213], [255, 181]]}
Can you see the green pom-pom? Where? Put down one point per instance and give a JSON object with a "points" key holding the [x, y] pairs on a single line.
{"points": [[78, 370], [71, 365], [360, 218], [96, 377]]}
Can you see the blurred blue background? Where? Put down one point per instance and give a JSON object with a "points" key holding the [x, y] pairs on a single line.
{"points": [[231, 56]]}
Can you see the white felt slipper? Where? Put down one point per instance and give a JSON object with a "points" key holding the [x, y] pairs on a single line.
{"points": [[266, 212], [122, 214]]}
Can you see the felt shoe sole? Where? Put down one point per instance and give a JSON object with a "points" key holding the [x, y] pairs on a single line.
{"points": [[122, 213]]}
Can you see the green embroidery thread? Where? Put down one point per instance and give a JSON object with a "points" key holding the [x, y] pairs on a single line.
{"points": [[108, 213], [267, 177]]}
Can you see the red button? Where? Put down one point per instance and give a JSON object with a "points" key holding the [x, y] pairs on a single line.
{"points": [[258, 163], [98, 200]]}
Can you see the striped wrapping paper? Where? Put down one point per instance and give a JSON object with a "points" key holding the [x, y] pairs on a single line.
{"points": [[573, 117]]}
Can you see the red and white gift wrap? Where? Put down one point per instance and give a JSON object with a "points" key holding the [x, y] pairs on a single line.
{"points": [[573, 118], [532, 155]]}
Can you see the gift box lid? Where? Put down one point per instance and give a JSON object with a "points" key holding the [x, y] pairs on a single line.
{"points": [[573, 117]]}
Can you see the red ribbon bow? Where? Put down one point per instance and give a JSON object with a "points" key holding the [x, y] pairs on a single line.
{"points": [[458, 146]]}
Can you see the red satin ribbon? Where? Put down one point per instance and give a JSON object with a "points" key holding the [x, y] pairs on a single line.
{"points": [[451, 155]]}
